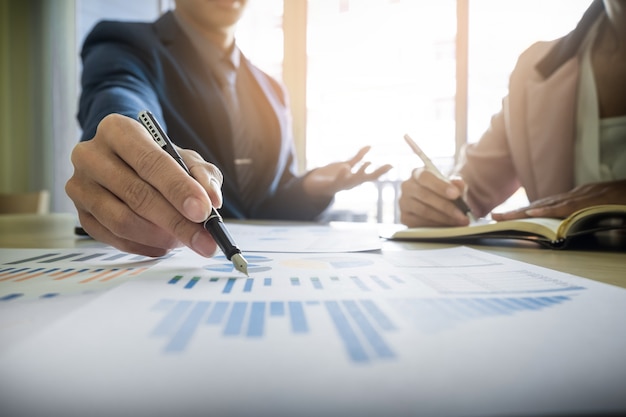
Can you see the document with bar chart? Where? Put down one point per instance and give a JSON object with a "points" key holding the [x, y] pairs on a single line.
{"points": [[27, 274], [344, 334]]}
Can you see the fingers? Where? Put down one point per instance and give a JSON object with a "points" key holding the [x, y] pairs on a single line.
{"points": [[208, 175], [378, 172], [133, 195], [564, 204], [102, 234], [359, 156], [546, 208], [133, 145], [345, 179], [106, 218], [557, 206], [427, 200]]}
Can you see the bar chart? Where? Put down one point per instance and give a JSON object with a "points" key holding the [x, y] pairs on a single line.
{"points": [[52, 282], [360, 324], [48, 274], [511, 282], [79, 257], [298, 284], [434, 315]]}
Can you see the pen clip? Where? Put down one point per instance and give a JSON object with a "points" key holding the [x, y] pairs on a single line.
{"points": [[153, 127]]}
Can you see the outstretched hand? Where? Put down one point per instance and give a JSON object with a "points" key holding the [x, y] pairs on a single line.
{"points": [[564, 204], [339, 176]]}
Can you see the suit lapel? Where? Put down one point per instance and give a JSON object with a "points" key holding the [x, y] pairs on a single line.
{"points": [[282, 148]]}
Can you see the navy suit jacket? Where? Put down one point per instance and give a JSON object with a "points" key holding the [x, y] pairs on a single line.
{"points": [[132, 66]]}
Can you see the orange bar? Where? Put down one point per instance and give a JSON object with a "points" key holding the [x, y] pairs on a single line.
{"points": [[110, 277], [100, 275], [138, 271], [64, 271], [38, 274], [70, 274], [7, 275], [21, 274]]}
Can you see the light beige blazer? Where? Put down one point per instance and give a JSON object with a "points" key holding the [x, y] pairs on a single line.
{"points": [[530, 142]]}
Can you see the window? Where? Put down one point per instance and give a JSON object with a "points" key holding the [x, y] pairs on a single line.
{"points": [[377, 69]]}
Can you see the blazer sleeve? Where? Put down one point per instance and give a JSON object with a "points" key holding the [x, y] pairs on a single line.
{"points": [[492, 167], [115, 78]]}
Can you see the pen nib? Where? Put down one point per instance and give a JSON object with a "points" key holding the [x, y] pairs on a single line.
{"points": [[240, 263]]}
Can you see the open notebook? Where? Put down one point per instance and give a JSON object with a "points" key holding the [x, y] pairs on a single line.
{"points": [[555, 233]]}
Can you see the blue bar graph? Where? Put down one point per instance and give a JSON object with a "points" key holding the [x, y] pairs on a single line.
{"points": [[235, 320], [175, 279], [360, 324], [298, 320], [256, 326], [115, 257], [17, 271], [277, 308], [359, 283], [60, 258], [396, 279], [229, 285], [377, 315], [167, 326], [371, 334], [193, 281], [34, 258], [435, 315], [218, 313], [183, 335], [89, 257], [10, 296], [50, 295], [346, 333], [380, 282], [236, 284]]}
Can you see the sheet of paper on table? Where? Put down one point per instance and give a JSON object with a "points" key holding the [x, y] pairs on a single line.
{"points": [[429, 332], [339, 237]]}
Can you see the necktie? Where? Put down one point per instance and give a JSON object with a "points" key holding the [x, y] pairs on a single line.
{"points": [[242, 146]]}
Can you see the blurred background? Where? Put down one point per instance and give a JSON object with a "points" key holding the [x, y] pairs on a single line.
{"points": [[359, 72]]}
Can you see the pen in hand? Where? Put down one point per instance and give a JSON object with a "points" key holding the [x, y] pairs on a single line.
{"points": [[459, 202], [214, 223]]}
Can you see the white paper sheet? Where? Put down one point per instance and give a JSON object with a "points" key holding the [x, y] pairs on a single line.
{"points": [[450, 332], [340, 237]]}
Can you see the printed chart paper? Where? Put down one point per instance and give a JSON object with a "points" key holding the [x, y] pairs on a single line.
{"points": [[339, 237], [431, 332], [27, 274]]}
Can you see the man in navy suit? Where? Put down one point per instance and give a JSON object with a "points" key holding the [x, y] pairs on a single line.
{"points": [[216, 106]]}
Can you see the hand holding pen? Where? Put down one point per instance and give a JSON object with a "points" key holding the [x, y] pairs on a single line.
{"points": [[213, 223], [428, 198], [131, 195]]}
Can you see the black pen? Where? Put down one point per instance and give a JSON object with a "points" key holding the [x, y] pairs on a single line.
{"points": [[459, 202], [214, 223]]}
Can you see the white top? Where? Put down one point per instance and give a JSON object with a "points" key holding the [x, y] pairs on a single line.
{"points": [[600, 148]]}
